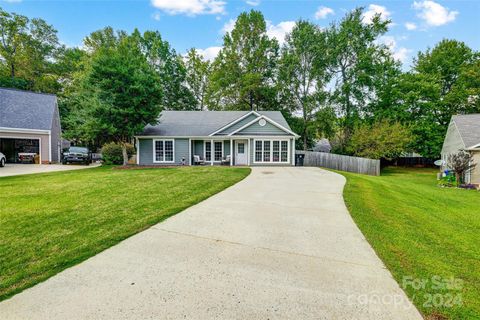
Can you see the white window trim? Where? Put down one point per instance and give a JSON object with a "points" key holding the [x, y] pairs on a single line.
{"points": [[271, 151], [212, 150], [155, 151]]}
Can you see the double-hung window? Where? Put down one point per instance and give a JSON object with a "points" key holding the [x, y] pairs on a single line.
{"points": [[284, 151], [163, 151], [208, 151], [217, 151], [258, 150], [268, 151]]}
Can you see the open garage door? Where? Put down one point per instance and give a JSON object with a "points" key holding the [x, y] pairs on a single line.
{"points": [[20, 150]]}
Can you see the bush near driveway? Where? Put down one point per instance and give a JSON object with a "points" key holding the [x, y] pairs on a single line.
{"points": [[49, 222], [421, 231], [112, 153]]}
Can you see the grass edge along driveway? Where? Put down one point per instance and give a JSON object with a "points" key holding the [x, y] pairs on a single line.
{"points": [[52, 221], [420, 231]]}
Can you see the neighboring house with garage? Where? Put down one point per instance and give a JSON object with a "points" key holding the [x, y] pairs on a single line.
{"points": [[235, 138], [464, 134], [29, 126]]}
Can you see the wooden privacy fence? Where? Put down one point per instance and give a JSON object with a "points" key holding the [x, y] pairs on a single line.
{"points": [[341, 162]]}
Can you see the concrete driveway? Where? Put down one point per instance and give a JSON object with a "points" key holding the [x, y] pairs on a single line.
{"points": [[278, 245], [20, 169]]}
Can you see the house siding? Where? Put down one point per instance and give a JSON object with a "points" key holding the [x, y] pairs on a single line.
{"points": [[267, 130], [453, 141], [197, 148], [226, 148], [238, 125], [273, 164], [452, 144], [475, 174], [146, 152]]}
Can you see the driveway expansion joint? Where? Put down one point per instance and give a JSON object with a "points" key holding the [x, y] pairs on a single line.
{"points": [[322, 258]]}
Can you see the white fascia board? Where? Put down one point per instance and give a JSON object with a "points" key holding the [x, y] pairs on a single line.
{"points": [[474, 147], [21, 130]]}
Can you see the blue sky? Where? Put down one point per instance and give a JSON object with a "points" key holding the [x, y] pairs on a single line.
{"points": [[416, 25]]}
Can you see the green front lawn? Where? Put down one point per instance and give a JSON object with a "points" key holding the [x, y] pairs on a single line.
{"points": [[49, 222], [422, 231]]}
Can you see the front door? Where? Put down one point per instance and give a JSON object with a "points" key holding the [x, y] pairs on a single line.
{"points": [[241, 152]]}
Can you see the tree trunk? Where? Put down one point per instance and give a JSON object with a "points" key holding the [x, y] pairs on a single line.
{"points": [[124, 153], [251, 101], [305, 138], [12, 70], [457, 178], [305, 124]]}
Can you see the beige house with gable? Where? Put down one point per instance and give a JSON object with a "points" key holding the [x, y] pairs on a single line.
{"points": [[464, 134]]}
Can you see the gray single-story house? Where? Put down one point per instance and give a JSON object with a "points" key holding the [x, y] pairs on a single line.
{"points": [[29, 125], [235, 138], [464, 134]]}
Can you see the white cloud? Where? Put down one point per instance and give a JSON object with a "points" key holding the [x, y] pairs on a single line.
{"points": [[433, 13], [410, 26], [190, 7], [228, 26], [279, 31], [209, 53], [12, 1], [323, 12], [374, 9], [156, 16], [399, 53], [253, 2]]}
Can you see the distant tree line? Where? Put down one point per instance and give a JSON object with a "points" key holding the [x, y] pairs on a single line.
{"points": [[340, 82]]}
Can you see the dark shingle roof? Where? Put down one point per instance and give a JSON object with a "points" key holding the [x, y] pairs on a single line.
{"points": [[201, 123], [468, 126], [26, 110]]}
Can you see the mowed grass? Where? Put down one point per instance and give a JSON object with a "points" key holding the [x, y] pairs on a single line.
{"points": [[49, 222], [420, 231]]}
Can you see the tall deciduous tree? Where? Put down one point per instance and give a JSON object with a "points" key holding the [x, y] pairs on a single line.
{"points": [[444, 65], [120, 92], [303, 72], [13, 34], [198, 71], [170, 69], [243, 75], [357, 62], [28, 48]]}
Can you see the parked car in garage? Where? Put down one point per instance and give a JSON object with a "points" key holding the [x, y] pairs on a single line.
{"points": [[2, 160], [77, 155]]}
